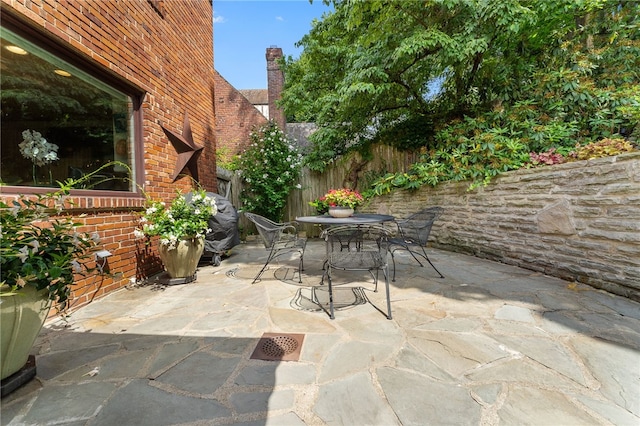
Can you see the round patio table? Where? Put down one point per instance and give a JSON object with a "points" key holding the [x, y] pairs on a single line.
{"points": [[355, 219]]}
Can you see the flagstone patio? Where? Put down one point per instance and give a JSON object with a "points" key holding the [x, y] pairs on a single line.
{"points": [[490, 344]]}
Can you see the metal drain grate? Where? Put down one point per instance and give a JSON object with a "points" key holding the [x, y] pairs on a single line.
{"points": [[278, 347]]}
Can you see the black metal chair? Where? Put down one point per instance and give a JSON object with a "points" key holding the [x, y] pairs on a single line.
{"points": [[413, 234], [278, 239], [366, 250]]}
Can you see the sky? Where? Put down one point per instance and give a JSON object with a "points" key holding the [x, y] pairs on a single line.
{"points": [[244, 29]]}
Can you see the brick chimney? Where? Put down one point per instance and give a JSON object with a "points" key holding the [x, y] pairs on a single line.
{"points": [[275, 83]]}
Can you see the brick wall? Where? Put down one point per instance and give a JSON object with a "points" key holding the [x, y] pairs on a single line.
{"points": [[165, 49], [235, 117], [579, 221]]}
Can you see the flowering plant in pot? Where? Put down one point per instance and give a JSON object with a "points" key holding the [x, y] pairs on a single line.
{"points": [[41, 255], [181, 227], [343, 198]]}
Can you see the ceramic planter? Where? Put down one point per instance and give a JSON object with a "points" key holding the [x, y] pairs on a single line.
{"points": [[182, 261], [21, 318], [340, 211]]}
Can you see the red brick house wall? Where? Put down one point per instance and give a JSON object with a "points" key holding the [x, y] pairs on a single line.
{"points": [[166, 50], [235, 117]]}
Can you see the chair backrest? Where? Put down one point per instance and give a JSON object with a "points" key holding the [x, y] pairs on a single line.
{"points": [[269, 230], [356, 246], [417, 227]]}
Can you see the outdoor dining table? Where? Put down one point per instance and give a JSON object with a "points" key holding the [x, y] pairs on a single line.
{"points": [[350, 240], [355, 219]]}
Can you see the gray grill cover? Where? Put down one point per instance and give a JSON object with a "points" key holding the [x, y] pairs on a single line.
{"points": [[224, 226]]}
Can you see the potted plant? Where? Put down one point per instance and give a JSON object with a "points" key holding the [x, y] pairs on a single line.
{"points": [[41, 254], [339, 202], [181, 228]]}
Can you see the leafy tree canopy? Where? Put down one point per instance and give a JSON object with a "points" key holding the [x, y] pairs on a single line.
{"points": [[401, 71]]}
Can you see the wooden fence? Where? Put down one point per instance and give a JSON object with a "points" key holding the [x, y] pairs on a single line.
{"points": [[350, 171]]}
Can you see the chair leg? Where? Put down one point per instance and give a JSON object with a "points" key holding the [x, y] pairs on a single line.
{"points": [[331, 315], [432, 265], [386, 283], [300, 268], [269, 259], [413, 254], [393, 259], [257, 278]]}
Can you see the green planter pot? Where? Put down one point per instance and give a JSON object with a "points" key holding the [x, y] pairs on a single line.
{"points": [[21, 318], [182, 261]]}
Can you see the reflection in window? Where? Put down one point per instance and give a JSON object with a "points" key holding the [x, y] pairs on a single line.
{"points": [[58, 122]]}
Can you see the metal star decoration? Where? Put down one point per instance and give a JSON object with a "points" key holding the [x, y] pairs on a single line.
{"points": [[188, 151]]}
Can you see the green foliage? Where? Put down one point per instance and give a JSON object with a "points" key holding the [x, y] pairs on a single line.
{"points": [[320, 204], [410, 134], [41, 246], [270, 168], [602, 148], [450, 76], [477, 157], [226, 160], [184, 218]]}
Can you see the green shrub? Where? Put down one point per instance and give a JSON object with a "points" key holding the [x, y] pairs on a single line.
{"points": [[270, 168], [602, 148]]}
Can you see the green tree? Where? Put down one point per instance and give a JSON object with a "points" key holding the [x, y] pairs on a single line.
{"points": [[401, 71]]}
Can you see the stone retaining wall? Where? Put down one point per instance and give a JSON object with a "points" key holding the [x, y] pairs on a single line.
{"points": [[578, 221]]}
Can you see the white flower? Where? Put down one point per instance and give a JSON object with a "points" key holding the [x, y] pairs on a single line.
{"points": [[138, 233], [36, 148], [23, 253], [35, 244]]}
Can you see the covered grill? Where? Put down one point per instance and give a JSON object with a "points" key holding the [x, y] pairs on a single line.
{"points": [[224, 233]]}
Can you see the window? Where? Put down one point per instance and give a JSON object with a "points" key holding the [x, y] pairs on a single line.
{"points": [[59, 122]]}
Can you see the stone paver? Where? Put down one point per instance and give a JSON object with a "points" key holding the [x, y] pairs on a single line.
{"points": [[490, 344]]}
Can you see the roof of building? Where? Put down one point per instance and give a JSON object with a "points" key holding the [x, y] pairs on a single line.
{"points": [[256, 96]]}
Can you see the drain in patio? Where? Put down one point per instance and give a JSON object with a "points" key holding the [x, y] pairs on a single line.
{"points": [[278, 347]]}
